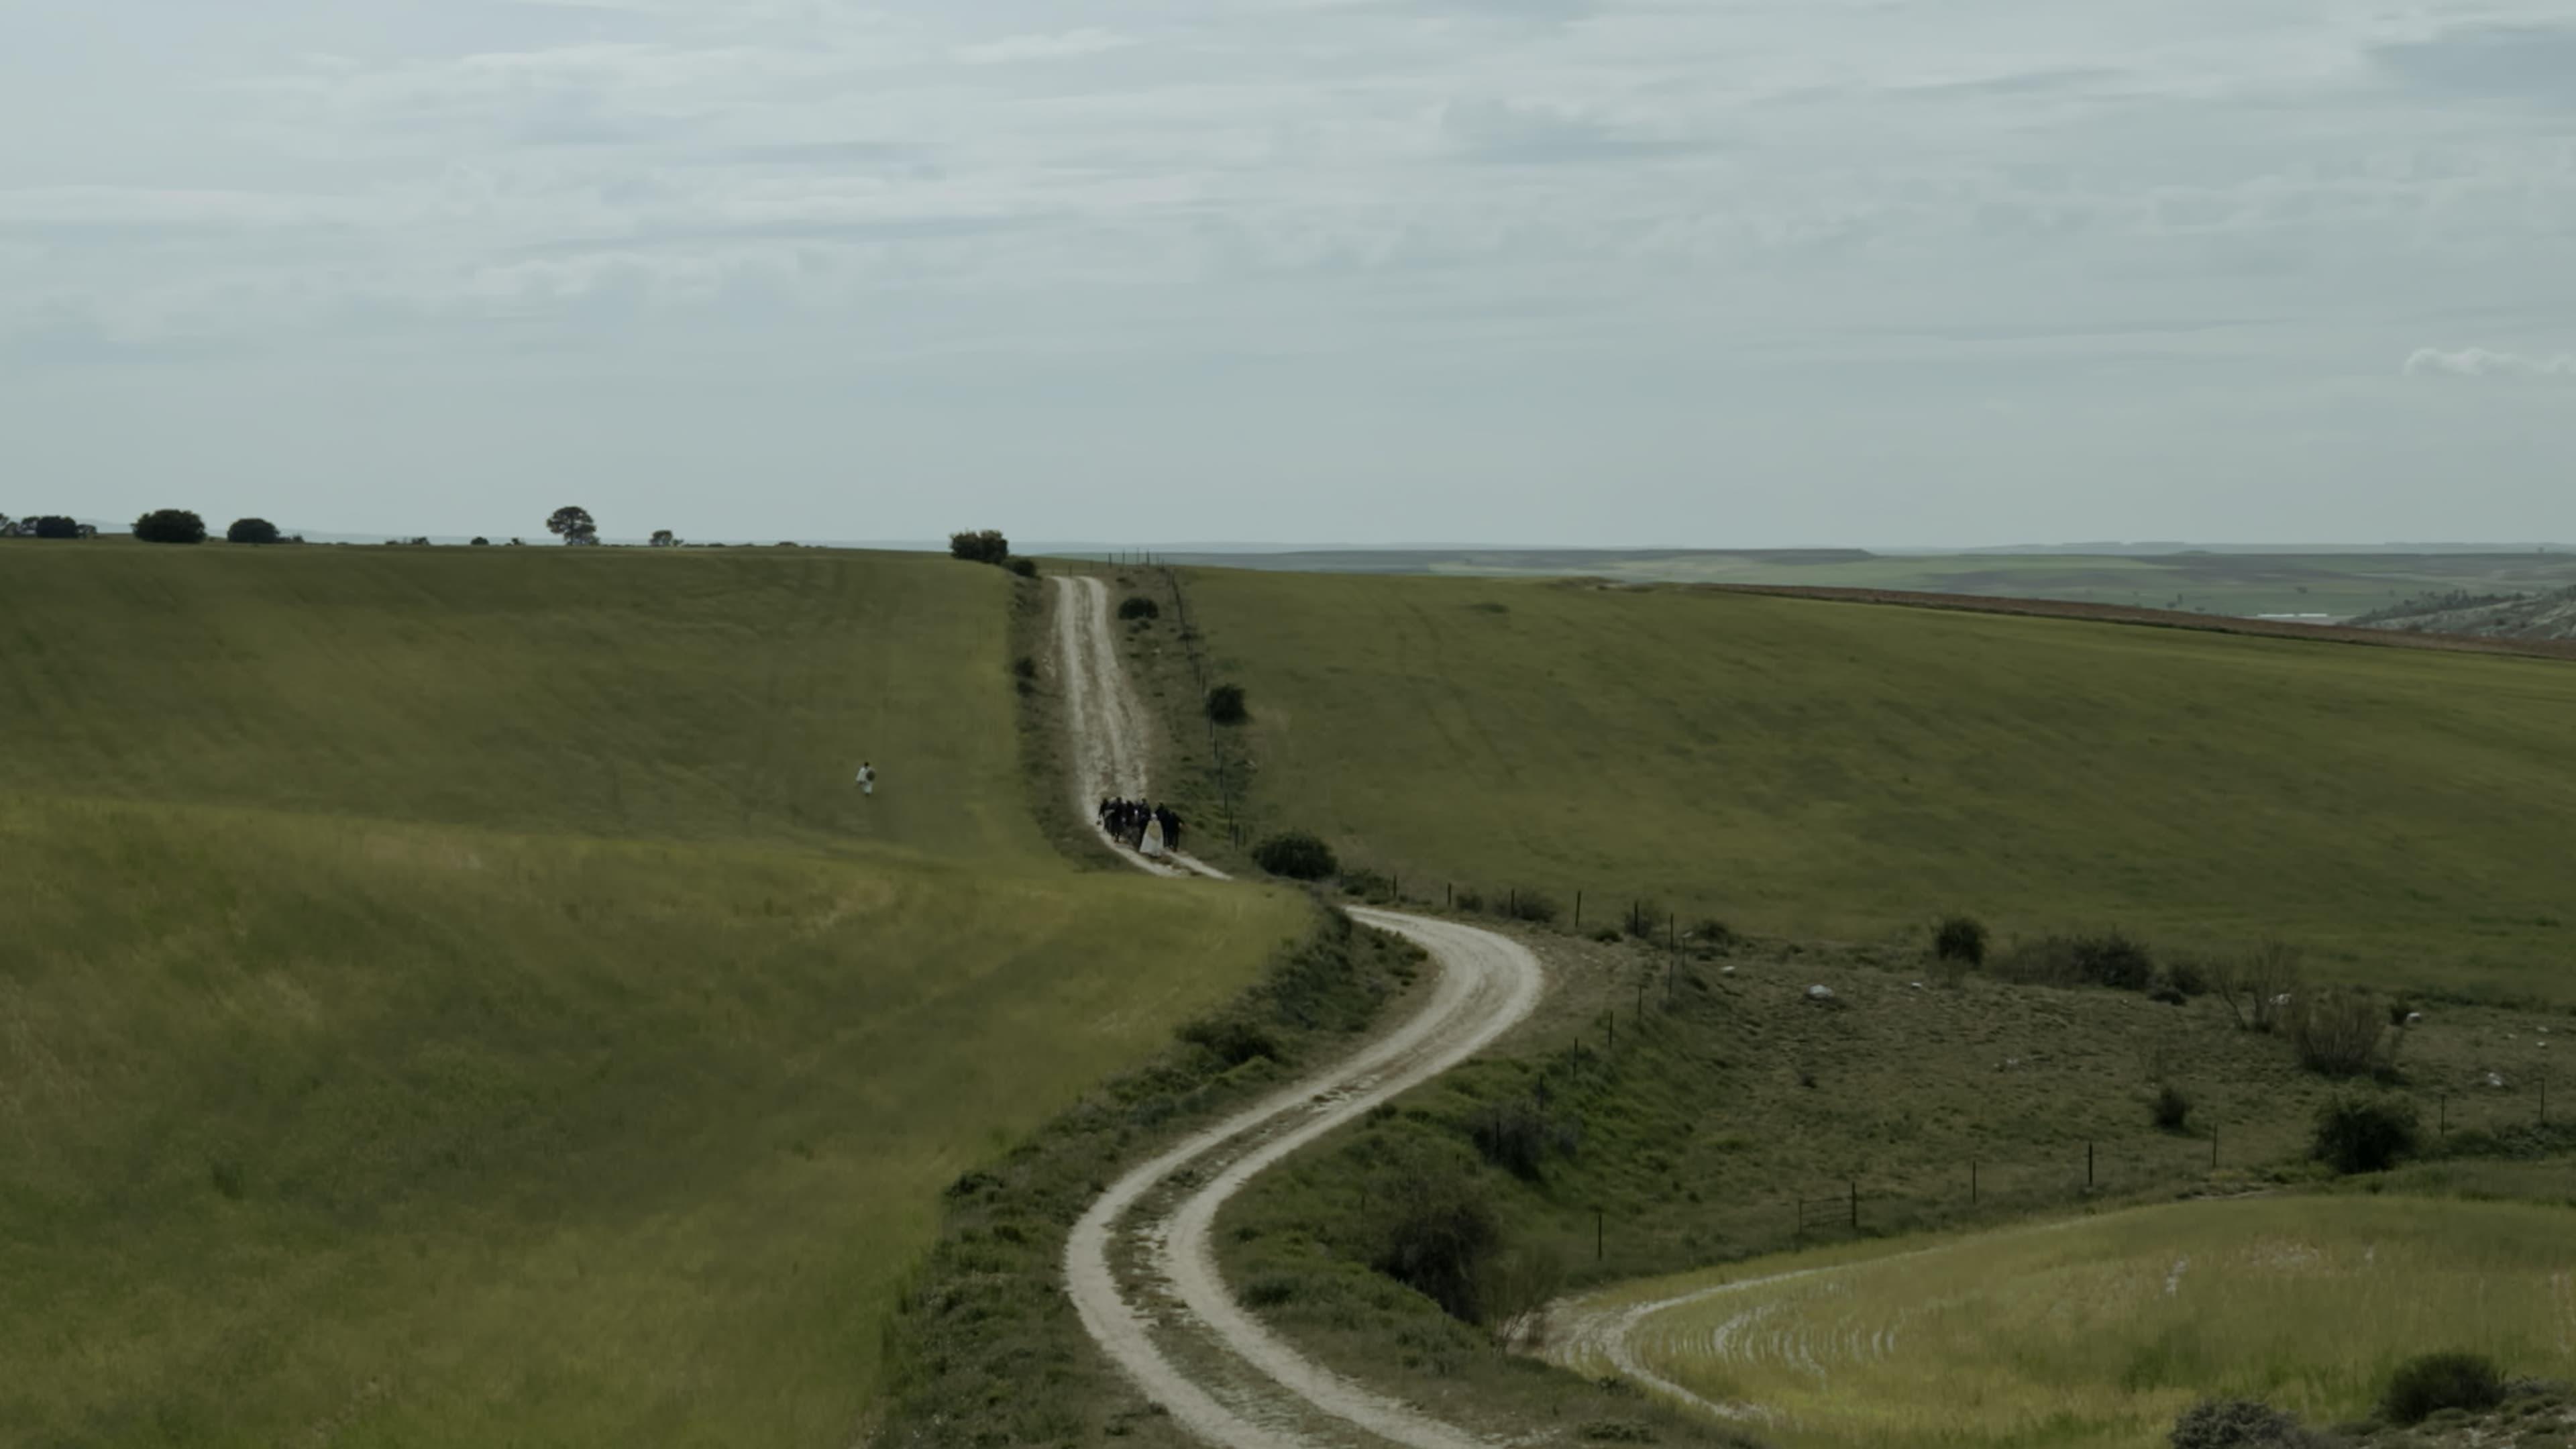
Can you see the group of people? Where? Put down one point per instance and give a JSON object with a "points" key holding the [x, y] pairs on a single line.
{"points": [[1148, 829]]}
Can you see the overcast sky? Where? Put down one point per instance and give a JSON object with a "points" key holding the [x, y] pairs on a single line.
{"points": [[1758, 272]]}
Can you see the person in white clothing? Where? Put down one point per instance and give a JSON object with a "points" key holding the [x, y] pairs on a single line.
{"points": [[867, 778]]}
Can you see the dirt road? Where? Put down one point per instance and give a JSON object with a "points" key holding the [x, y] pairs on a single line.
{"points": [[1141, 1265], [1111, 748]]}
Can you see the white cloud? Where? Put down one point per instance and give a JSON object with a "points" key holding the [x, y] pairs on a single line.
{"points": [[2479, 362], [1070, 45]]}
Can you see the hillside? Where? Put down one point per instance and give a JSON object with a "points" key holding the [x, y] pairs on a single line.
{"points": [[2525, 616], [454, 997], [2317, 586], [1824, 770]]}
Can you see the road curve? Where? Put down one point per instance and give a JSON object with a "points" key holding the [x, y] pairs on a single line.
{"points": [[1242, 1386], [1276, 1397]]}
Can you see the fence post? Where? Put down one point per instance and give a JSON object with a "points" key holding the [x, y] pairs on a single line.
{"points": [[1578, 910], [2442, 1114], [1597, 1240], [1855, 1214], [2088, 1167], [1449, 894], [2213, 1147], [1972, 1182]]}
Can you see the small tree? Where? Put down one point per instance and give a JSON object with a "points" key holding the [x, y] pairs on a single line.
{"points": [[170, 525], [1297, 855], [2170, 1107], [1026, 568], [573, 524], [664, 538], [983, 546], [1225, 705], [1137, 606], [57, 526], [251, 530], [480, 542]]}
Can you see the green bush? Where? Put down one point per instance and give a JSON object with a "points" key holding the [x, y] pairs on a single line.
{"points": [[1137, 606], [2336, 1033], [1297, 855], [1026, 568], [251, 530], [2170, 1107], [170, 525], [1519, 1136], [1225, 705], [2235, 1424], [1961, 939], [2110, 958], [1528, 905], [1233, 1040], [2425, 1386], [1436, 1231], [2359, 1134]]}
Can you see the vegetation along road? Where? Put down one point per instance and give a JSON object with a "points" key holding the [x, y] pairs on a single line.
{"points": [[1145, 1247]]}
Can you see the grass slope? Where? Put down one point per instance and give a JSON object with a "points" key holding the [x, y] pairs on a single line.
{"points": [[2338, 585], [1829, 770], [455, 998], [2099, 1332]]}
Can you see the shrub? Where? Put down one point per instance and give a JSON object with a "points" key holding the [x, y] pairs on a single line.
{"points": [[2108, 959], [1715, 934], [2189, 975], [1515, 1288], [2234, 1424], [251, 530], [1233, 1040], [1026, 568], [1519, 1137], [2255, 984], [1225, 705], [55, 526], [481, 542], [1528, 905], [1137, 606], [170, 525], [1297, 855], [2427, 1385], [1468, 899], [2170, 1108], [2357, 1134], [1961, 939], [2338, 1033], [1436, 1232], [985, 546]]}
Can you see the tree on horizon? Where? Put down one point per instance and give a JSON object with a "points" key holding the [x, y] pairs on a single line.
{"points": [[573, 524]]}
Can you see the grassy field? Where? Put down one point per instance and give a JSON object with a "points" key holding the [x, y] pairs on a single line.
{"points": [[2098, 1332], [454, 997], [1821, 770], [1733, 1119], [2337, 585]]}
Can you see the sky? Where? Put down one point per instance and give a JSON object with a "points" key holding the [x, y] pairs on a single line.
{"points": [[1552, 272]]}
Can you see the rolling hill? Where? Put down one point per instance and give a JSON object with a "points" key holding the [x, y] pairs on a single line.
{"points": [[1840, 771], [454, 997]]}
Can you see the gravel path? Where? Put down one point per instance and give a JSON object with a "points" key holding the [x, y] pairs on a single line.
{"points": [[1238, 1384]]}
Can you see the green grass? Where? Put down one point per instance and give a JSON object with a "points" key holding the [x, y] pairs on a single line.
{"points": [[1733, 1121], [2099, 1332], [1822, 770], [454, 998]]}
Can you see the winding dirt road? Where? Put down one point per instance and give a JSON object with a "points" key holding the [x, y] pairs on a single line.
{"points": [[1141, 1264]]}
